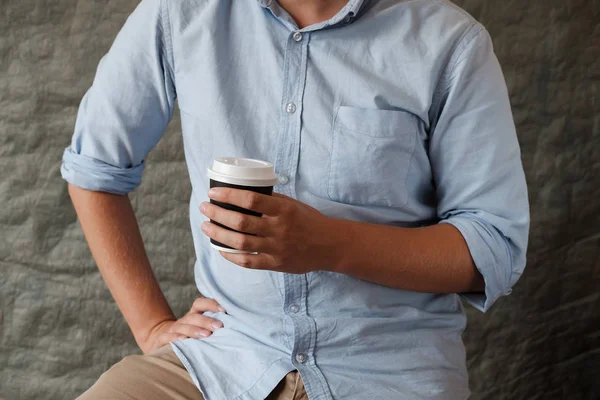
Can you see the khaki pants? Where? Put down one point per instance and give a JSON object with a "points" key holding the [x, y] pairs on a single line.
{"points": [[161, 376]]}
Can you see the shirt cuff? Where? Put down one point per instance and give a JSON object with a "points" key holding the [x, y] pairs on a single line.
{"points": [[92, 174], [489, 252]]}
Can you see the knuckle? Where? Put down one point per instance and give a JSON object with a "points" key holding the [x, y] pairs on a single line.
{"points": [[209, 211], [279, 262], [241, 242], [246, 262], [251, 200], [199, 302], [189, 322], [241, 222], [199, 320]]}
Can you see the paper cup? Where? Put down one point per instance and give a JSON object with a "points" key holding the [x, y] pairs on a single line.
{"points": [[240, 173]]}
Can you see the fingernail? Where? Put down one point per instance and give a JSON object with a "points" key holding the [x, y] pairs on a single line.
{"points": [[221, 309], [217, 324], [202, 334], [204, 226], [213, 192], [203, 207]]}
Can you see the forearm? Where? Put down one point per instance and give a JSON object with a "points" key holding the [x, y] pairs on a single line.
{"points": [[112, 232], [432, 259]]}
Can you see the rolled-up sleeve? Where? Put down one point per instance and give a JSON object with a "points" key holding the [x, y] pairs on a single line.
{"points": [[128, 107], [477, 166]]}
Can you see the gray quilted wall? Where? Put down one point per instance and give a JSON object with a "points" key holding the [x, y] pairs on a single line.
{"points": [[59, 328]]}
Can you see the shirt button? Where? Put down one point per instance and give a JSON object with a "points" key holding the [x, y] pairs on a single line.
{"points": [[283, 179], [297, 36], [294, 308], [290, 108], [349, 17], [301, 358]]}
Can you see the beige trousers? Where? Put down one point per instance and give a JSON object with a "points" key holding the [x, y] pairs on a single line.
{"points": [[161, 376]]}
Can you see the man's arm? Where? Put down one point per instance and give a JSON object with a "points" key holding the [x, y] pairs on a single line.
{"points": [[121, 118], [432, 259], [297, 238], [112, 232]]}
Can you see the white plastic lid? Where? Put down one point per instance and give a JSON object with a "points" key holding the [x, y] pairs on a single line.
{"points": [[242, 171]]}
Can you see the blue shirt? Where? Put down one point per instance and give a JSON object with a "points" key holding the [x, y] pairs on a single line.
{"points": [[392, 112]]}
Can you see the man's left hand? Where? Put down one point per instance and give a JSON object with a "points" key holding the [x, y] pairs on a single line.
{"points": [[289, 237]]}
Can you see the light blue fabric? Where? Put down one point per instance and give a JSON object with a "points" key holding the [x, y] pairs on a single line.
{"points": [[393, 112]]}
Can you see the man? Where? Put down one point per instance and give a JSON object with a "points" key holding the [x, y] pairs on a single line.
{"points": [[400, 186]]}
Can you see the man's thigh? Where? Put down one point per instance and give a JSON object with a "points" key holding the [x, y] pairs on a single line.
{"points": [[155, 376]]}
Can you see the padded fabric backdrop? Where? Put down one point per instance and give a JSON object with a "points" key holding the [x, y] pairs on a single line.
{"points": [[59, 327]]}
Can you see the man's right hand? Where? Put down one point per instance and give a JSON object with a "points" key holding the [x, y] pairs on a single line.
{"points": [[192, 325]]}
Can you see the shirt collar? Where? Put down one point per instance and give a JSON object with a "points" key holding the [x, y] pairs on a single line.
{"points": [[345, 15]]}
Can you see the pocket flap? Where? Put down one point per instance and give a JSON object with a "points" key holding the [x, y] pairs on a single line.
{"points": [[376, 123]]}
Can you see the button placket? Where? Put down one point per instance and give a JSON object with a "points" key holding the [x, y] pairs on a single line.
{"points": [[294, 73], [302, 330], [283, 179], [301, 358], [294, 308], [290, 108]]}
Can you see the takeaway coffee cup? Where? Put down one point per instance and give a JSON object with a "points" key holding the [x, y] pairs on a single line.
{"points": [[240, 173]]}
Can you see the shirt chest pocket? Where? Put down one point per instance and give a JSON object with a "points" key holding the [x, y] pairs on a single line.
{"points": [[371, 153]]}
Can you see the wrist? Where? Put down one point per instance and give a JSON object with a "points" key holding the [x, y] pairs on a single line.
{"points": [[144, 336], [340, 240]]}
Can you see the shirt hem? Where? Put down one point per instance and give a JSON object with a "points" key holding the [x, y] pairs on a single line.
{"points": [[260, 389], [189, 369]]}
